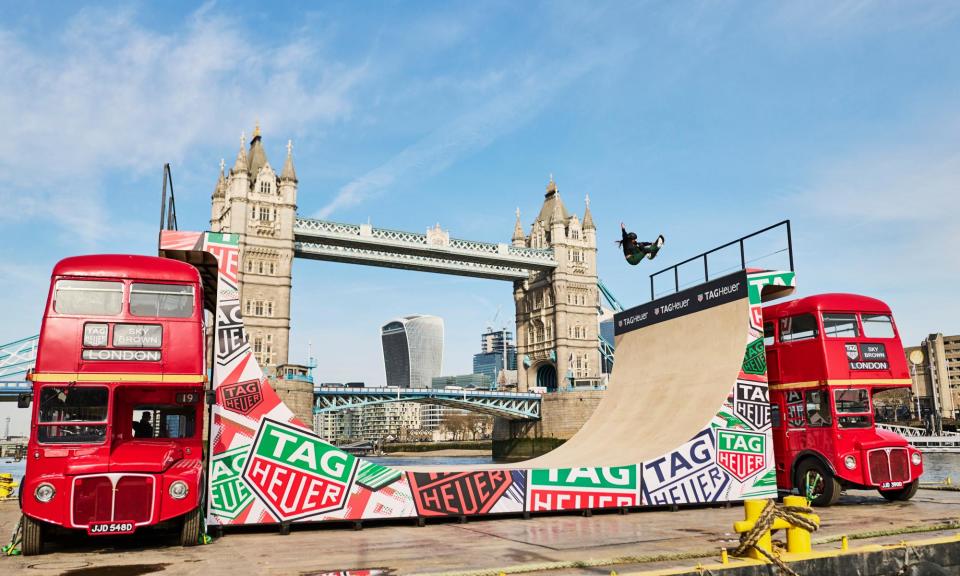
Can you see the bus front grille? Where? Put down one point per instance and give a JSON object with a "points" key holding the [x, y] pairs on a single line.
{"points": [[112, 498], [888, 465]]}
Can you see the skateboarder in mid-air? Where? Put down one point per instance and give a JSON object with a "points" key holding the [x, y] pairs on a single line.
{"points": [[635, 251]]}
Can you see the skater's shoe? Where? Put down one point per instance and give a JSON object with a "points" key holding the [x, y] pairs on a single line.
{"points": [[656, 247]]}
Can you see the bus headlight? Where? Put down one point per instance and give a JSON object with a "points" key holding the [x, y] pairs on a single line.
{"points": [[179, 490], [850, 462], [44, 492], [916, 458]]}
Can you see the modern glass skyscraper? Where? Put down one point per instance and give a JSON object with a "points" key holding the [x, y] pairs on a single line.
{"points": [[494, 344], [412, 350]]}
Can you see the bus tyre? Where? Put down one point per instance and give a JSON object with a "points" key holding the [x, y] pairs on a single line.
{"points": [[816, 482], [903, 494], [32, 543], [190, 532]]}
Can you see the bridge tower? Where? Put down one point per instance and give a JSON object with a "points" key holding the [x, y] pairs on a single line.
{"points": [[260, 206], [556, 310]]}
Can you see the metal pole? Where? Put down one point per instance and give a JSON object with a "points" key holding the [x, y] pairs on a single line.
{"points": [[706, 270], [790, 245], [743, 259], [676, 280], [163, 204], [651, 286]]}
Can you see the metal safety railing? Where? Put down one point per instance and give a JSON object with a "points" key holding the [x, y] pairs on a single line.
{"points": [[744, 260]]}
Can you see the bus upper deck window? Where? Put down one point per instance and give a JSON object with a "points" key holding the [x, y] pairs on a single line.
{"points": [[840, 325], [877, 325], [88, 297], [794, 328], [161, 300]]}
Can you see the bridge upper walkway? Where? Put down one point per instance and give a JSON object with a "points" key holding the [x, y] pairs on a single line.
{"points": [[434, 251], [510, 405]]}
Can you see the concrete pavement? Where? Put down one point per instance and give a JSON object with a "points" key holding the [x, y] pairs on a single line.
{"points": [[542, 544]]}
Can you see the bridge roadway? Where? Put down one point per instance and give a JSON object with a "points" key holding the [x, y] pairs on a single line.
{"points": [[543, 545], [434, 251], [509, 405]]}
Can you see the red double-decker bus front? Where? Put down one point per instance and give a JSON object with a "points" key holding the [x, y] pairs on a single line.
{"points": [[827, 356], [116, 439]]}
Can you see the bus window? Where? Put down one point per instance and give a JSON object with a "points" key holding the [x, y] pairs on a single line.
{"points": [[88, 297], [776, 419], [802, 327], [840, 325], [877, 325], [60, 407], [163, 421], [768, 338], [818, 408], [853, 408], [161, 300]]}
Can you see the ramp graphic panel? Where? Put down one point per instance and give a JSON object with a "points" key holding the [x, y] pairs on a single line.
{"points": [[685, 420]]}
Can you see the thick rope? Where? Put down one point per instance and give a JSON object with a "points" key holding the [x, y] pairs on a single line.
{"points": [[771, 512]]}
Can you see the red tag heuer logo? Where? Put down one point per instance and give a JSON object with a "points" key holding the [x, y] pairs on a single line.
{"points": [[241, 397], [742, 454], [297, 474]]}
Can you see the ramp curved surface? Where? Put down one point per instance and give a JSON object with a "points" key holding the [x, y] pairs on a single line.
{"points": [[685, 420]]}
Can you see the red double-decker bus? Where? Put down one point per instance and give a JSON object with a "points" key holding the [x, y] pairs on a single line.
{"points": [[116, 433], [827, 357]]}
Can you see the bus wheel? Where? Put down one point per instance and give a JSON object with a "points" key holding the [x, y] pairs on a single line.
{"points": [[903, 494], [190, 532], [817, 483], [32, 543]]}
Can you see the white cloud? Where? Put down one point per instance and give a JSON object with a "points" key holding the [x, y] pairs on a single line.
{"points": [[109, 94], [518, 94], [883, 221]]}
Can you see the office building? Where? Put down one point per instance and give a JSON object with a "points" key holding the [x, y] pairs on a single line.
{"points": [[936, 379], [412, 350], [495, 346]]}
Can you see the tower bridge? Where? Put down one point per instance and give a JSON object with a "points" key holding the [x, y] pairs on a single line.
{"points": [[551, 265]]}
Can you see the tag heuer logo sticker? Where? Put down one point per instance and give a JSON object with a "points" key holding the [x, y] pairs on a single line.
{"points": [[241, 397], [742, 454], [229, 494], [755, 360], [853, 352], [297, 474], [752, 404]]}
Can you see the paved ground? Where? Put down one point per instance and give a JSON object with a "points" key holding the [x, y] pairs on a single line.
{"points": [[450, 547]]}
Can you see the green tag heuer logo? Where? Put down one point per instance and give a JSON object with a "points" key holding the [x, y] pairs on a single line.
{"points": [[229, 494], [755, 360], [297, 474], [742, 454]]}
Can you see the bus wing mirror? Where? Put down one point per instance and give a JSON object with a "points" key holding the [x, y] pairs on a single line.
{"points": [[211, 397], [23, 400]]}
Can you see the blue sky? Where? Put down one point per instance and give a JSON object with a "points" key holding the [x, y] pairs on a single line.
{"points": [[700, 120]]}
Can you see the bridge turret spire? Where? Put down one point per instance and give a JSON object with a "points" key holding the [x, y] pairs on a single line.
{"points": [[288, 173], [241, 164], [587, 216], [518, 236], [258, 157]]}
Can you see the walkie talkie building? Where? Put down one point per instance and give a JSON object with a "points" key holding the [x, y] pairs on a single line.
{"points": [[412, 350]]}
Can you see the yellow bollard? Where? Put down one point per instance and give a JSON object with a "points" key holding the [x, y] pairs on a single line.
{"points": [[724, 557], [949, 481], [798, 539], [751, 513], [844, 544]]}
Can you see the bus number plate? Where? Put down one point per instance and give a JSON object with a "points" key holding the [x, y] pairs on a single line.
{"points": [[104, 528], [891, 485]]}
